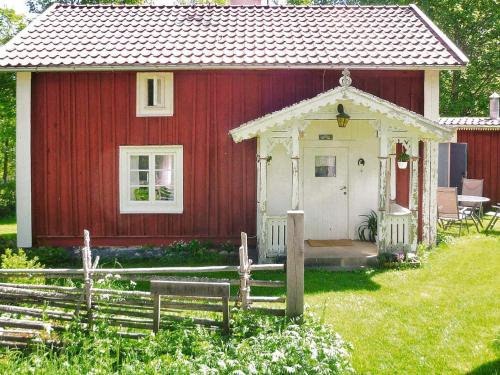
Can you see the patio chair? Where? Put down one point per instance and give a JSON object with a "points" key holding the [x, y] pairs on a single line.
{"points": [[495, 215], [473, 187], [448, 211]]}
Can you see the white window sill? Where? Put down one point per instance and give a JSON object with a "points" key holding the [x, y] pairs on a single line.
{"points": [[151, 209]]}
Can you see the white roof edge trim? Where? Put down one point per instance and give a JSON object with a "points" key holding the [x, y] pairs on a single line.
{"points": [[447, 41], [255, 127], [104, 68]]}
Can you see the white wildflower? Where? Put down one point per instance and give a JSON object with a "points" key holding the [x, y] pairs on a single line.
{"points": [[277, 355]]}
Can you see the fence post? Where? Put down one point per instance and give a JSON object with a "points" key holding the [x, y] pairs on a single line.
{"points": [[295, 264], [87, 267], [244, 272]]}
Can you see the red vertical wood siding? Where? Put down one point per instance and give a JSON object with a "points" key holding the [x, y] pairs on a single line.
{"points": [[402, 181], [79, 120], [483, 159]]}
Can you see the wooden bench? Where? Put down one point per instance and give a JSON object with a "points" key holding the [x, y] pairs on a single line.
{"points": [[186, 289]]}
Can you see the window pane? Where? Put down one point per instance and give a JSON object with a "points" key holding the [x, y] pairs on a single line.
{"points": [[139, 162], [325, 166], [164, 193], [164, 161], [139, 178], [139, 193], [158, 98], [151, 92]]}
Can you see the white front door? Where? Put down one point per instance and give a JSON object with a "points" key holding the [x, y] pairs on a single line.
{"points": [[325, 193]]}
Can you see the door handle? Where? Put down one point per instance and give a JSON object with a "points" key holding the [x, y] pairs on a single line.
{"points": [[343, 188]]}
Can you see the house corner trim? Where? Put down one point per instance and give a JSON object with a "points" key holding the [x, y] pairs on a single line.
{"points": [[23, 159], [431, 94]]}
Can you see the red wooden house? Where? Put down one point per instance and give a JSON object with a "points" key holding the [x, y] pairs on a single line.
{"points": [[481, 154], [149, 124]]}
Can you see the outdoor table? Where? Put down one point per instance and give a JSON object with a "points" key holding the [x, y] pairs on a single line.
{"points": [[474, 199]]}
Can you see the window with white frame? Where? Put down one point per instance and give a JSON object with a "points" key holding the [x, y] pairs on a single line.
{"points": [[155, 94], [151, 179]]}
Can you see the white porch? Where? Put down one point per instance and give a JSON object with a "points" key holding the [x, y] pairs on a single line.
{"points": [[307, 162]]}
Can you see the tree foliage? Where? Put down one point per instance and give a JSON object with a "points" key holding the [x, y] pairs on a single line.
{"points": [[38, 6], [474, 25], [10, 24]]}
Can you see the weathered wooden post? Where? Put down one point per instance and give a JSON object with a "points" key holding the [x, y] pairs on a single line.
{"points": [[295, 264], [87, 266], [244, 272]]}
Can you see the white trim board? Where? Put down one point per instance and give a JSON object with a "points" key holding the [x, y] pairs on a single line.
{"points": [[23, 159], [170, 67]]}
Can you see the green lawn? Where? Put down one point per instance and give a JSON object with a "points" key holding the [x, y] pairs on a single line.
{"points": [[8, 226], [443, 318]]}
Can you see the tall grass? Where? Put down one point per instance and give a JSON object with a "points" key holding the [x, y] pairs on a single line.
{"points": [[258, 345]]}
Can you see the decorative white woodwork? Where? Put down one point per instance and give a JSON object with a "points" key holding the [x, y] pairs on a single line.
{"points": [[398, 224], [413, 199], [261, 197], [295, 168], [23, 159], [276, 235], [288, 116]]}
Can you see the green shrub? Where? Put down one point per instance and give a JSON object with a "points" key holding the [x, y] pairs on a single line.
{"points": [[7, 198], [258, 345], [19, 259], [229, 247], [8, 241], [193, 247], [398, 259], [50, 256]]}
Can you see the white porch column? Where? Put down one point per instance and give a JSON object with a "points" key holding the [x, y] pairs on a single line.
{"points": [[429, 196], [429, 204], [295, 155], [413, 199], [383, 189], [23, 159], [262, 155]]}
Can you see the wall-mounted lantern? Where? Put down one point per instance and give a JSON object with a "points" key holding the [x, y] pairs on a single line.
{"points": [[342, 117]]}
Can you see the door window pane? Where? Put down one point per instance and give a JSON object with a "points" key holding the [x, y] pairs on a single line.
{"points": [[325, 166]]}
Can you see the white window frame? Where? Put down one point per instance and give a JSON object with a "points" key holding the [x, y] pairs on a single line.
{"points": [[128, 206], [163, 98]]}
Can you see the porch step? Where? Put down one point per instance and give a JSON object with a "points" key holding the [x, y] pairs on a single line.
{"points": [[341, 263]]}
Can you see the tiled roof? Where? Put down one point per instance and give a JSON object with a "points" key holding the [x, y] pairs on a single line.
{"points": [[479, 123], [103, 36]]}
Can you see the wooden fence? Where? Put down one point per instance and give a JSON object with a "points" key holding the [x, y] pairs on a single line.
{"points": [[40, 309]]}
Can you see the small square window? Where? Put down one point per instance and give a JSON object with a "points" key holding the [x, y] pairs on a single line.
{"points": [[151, 179], [325, 166], [155, 94]]}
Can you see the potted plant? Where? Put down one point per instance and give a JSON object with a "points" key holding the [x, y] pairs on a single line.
{"points": [[403, 160], [367, 230]]}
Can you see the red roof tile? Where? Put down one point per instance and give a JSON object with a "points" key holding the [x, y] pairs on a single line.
{"points": [[256, 36]]}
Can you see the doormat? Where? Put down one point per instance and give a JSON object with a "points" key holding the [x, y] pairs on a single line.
{"points": [[329, 243]]}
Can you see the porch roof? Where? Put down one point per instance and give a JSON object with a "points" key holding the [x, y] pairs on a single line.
{"points": [[299, 112]]}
